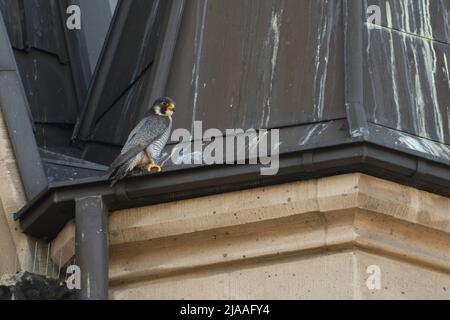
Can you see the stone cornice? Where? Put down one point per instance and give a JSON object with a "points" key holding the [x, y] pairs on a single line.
{"points": [[333, 213]]}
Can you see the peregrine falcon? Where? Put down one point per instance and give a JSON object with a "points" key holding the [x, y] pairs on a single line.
{"points": [[145, 142]]}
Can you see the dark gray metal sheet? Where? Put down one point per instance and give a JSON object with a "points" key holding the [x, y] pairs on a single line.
{"points": [[407, 83], [49, 87], [37, 29], [96, 19], [13, 14], [129, 51], [408, 143], [257, 73], [17, 117], [280, 63], [112, 124], [256, 64], [7, 62], [123, 114], [429, 19], [15, 108], [354, 69], [271, 78], [62, 168], [44, 27], [55, 138]]}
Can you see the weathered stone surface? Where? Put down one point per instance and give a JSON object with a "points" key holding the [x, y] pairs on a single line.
{"points": [[324, 231]]}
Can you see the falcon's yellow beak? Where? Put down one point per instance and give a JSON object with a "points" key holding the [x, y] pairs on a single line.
{"points": [[171, 107]]}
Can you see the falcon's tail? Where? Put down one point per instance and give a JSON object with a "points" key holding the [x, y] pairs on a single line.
{"points": [[118, 174]]}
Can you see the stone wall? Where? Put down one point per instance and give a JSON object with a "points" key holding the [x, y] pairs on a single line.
{"points": [[320, 238]]}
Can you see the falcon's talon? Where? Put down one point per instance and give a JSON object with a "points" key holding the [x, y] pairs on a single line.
{"points": [[153, 166]]}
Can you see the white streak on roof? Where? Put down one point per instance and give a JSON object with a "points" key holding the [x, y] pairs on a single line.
{"points": [[312, 131], [323, 39], [393, 67], [274, 37]]}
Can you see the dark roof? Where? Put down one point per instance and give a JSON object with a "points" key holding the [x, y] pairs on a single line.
{"points": [[345, 98], [53, 64]]}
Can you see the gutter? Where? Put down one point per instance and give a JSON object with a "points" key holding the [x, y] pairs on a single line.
{"points": [[46, 215]]}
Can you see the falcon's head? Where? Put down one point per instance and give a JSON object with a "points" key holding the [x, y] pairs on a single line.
{"points": [[164, 106]]}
